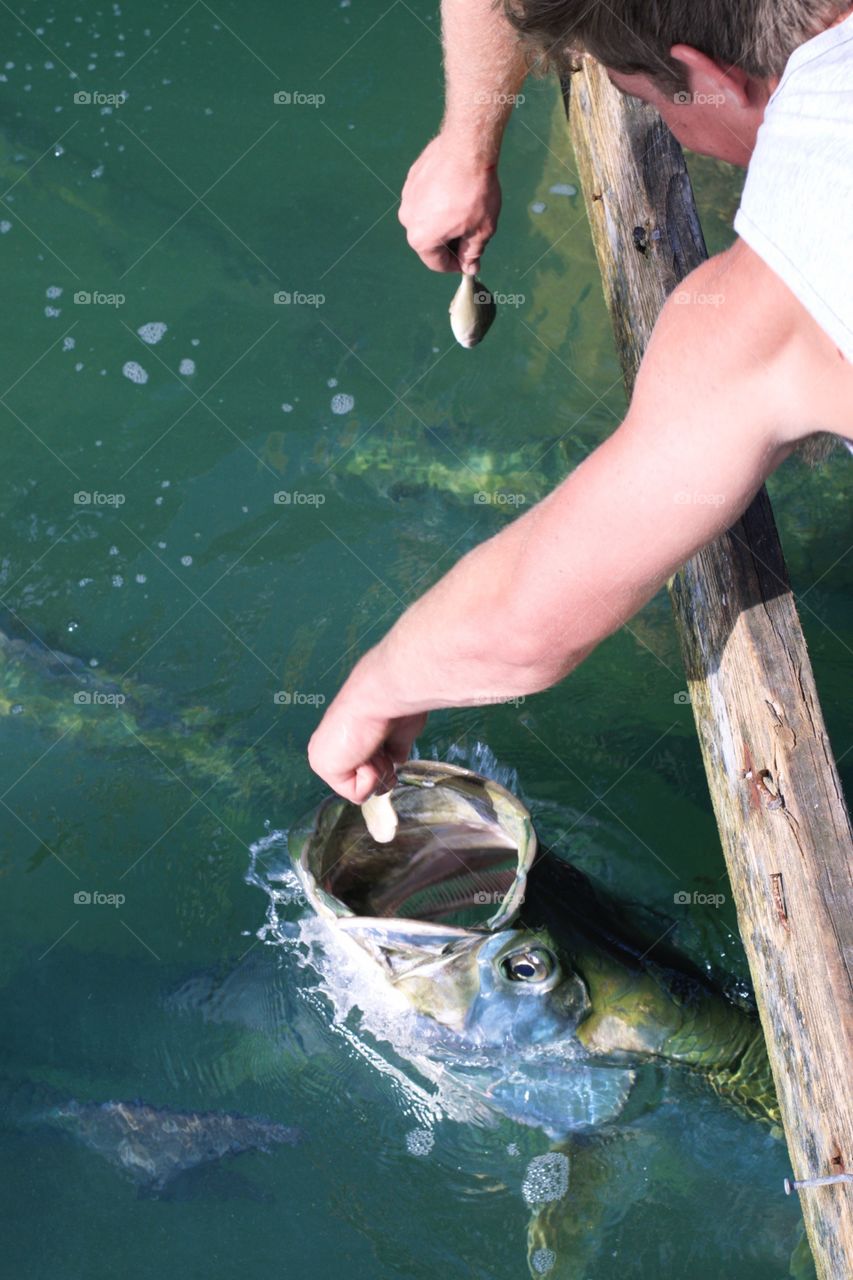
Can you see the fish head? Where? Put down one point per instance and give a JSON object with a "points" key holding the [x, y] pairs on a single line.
{"points": [[501, 1006], [509, 989], [435, 906]]}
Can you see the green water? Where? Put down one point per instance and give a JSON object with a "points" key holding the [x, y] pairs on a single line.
{"points": [[198, 200]]}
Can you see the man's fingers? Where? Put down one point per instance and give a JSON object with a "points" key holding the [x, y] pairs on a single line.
{"points": [[376, 775], [437, 257], [471, 251]]}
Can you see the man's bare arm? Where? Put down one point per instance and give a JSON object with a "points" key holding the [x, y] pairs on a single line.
{"points": [[736, 372], [452, 198]]}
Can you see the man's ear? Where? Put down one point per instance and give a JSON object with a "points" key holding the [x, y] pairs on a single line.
{"points": [[705, 77]]}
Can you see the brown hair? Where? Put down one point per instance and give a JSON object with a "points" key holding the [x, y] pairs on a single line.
{"points": [[636, 35]]}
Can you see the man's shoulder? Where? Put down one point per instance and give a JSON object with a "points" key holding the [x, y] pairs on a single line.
{"points": [[737, 318]]}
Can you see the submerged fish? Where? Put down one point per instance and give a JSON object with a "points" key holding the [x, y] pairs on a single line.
{"points": [[153, 1146], [472, 311]]}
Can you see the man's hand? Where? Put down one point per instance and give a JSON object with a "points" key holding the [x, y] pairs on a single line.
{"points": [[354, 751], [450, 207]]}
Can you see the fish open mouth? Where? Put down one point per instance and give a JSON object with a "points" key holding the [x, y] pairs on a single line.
{"points": [[458, 862]]}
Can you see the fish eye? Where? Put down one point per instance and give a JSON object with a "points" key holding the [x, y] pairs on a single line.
{"points": [[534, 964]]}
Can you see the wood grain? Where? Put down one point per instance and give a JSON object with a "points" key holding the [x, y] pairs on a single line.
{"points": [[782, 819]]}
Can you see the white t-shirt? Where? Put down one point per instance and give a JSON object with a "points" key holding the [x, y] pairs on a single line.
{"points": [[796, 210]]}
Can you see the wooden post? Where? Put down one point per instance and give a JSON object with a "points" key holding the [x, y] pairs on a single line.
{"points": [[783, 824]]}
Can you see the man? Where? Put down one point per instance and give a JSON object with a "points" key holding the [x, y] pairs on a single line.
{"points": [[724, 393]]}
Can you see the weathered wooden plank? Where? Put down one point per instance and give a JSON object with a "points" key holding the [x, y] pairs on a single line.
{"points": [[783, 823]]}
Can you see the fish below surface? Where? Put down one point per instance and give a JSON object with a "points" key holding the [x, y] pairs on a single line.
{"points": [[153, 1146]]}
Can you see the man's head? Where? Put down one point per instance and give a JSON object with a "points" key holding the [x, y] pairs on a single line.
{"points": [[708, 67]]}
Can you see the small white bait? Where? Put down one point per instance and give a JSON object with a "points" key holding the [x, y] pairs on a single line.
{"points": [[380, 817]]}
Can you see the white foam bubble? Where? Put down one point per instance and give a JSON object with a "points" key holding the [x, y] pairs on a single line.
{"points": [[152, 332], [186, 560], [287, 408], [342, 403], [546, 1178], [134, 372], [187, 368], [141, 577], [5, 226], [68, 344], [98, 172], [52, 311], [543, 1261], [331, 382], [419, 1142], [538, 206], [53, 291], [118, 580], [563, 189]]}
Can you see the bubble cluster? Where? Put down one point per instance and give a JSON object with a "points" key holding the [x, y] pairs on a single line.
{"points": [[134, 372], [342, 403], [152, 332], [53, 291], [187, 368], [542, 1261], [546, 1178], [419, 1142]]}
